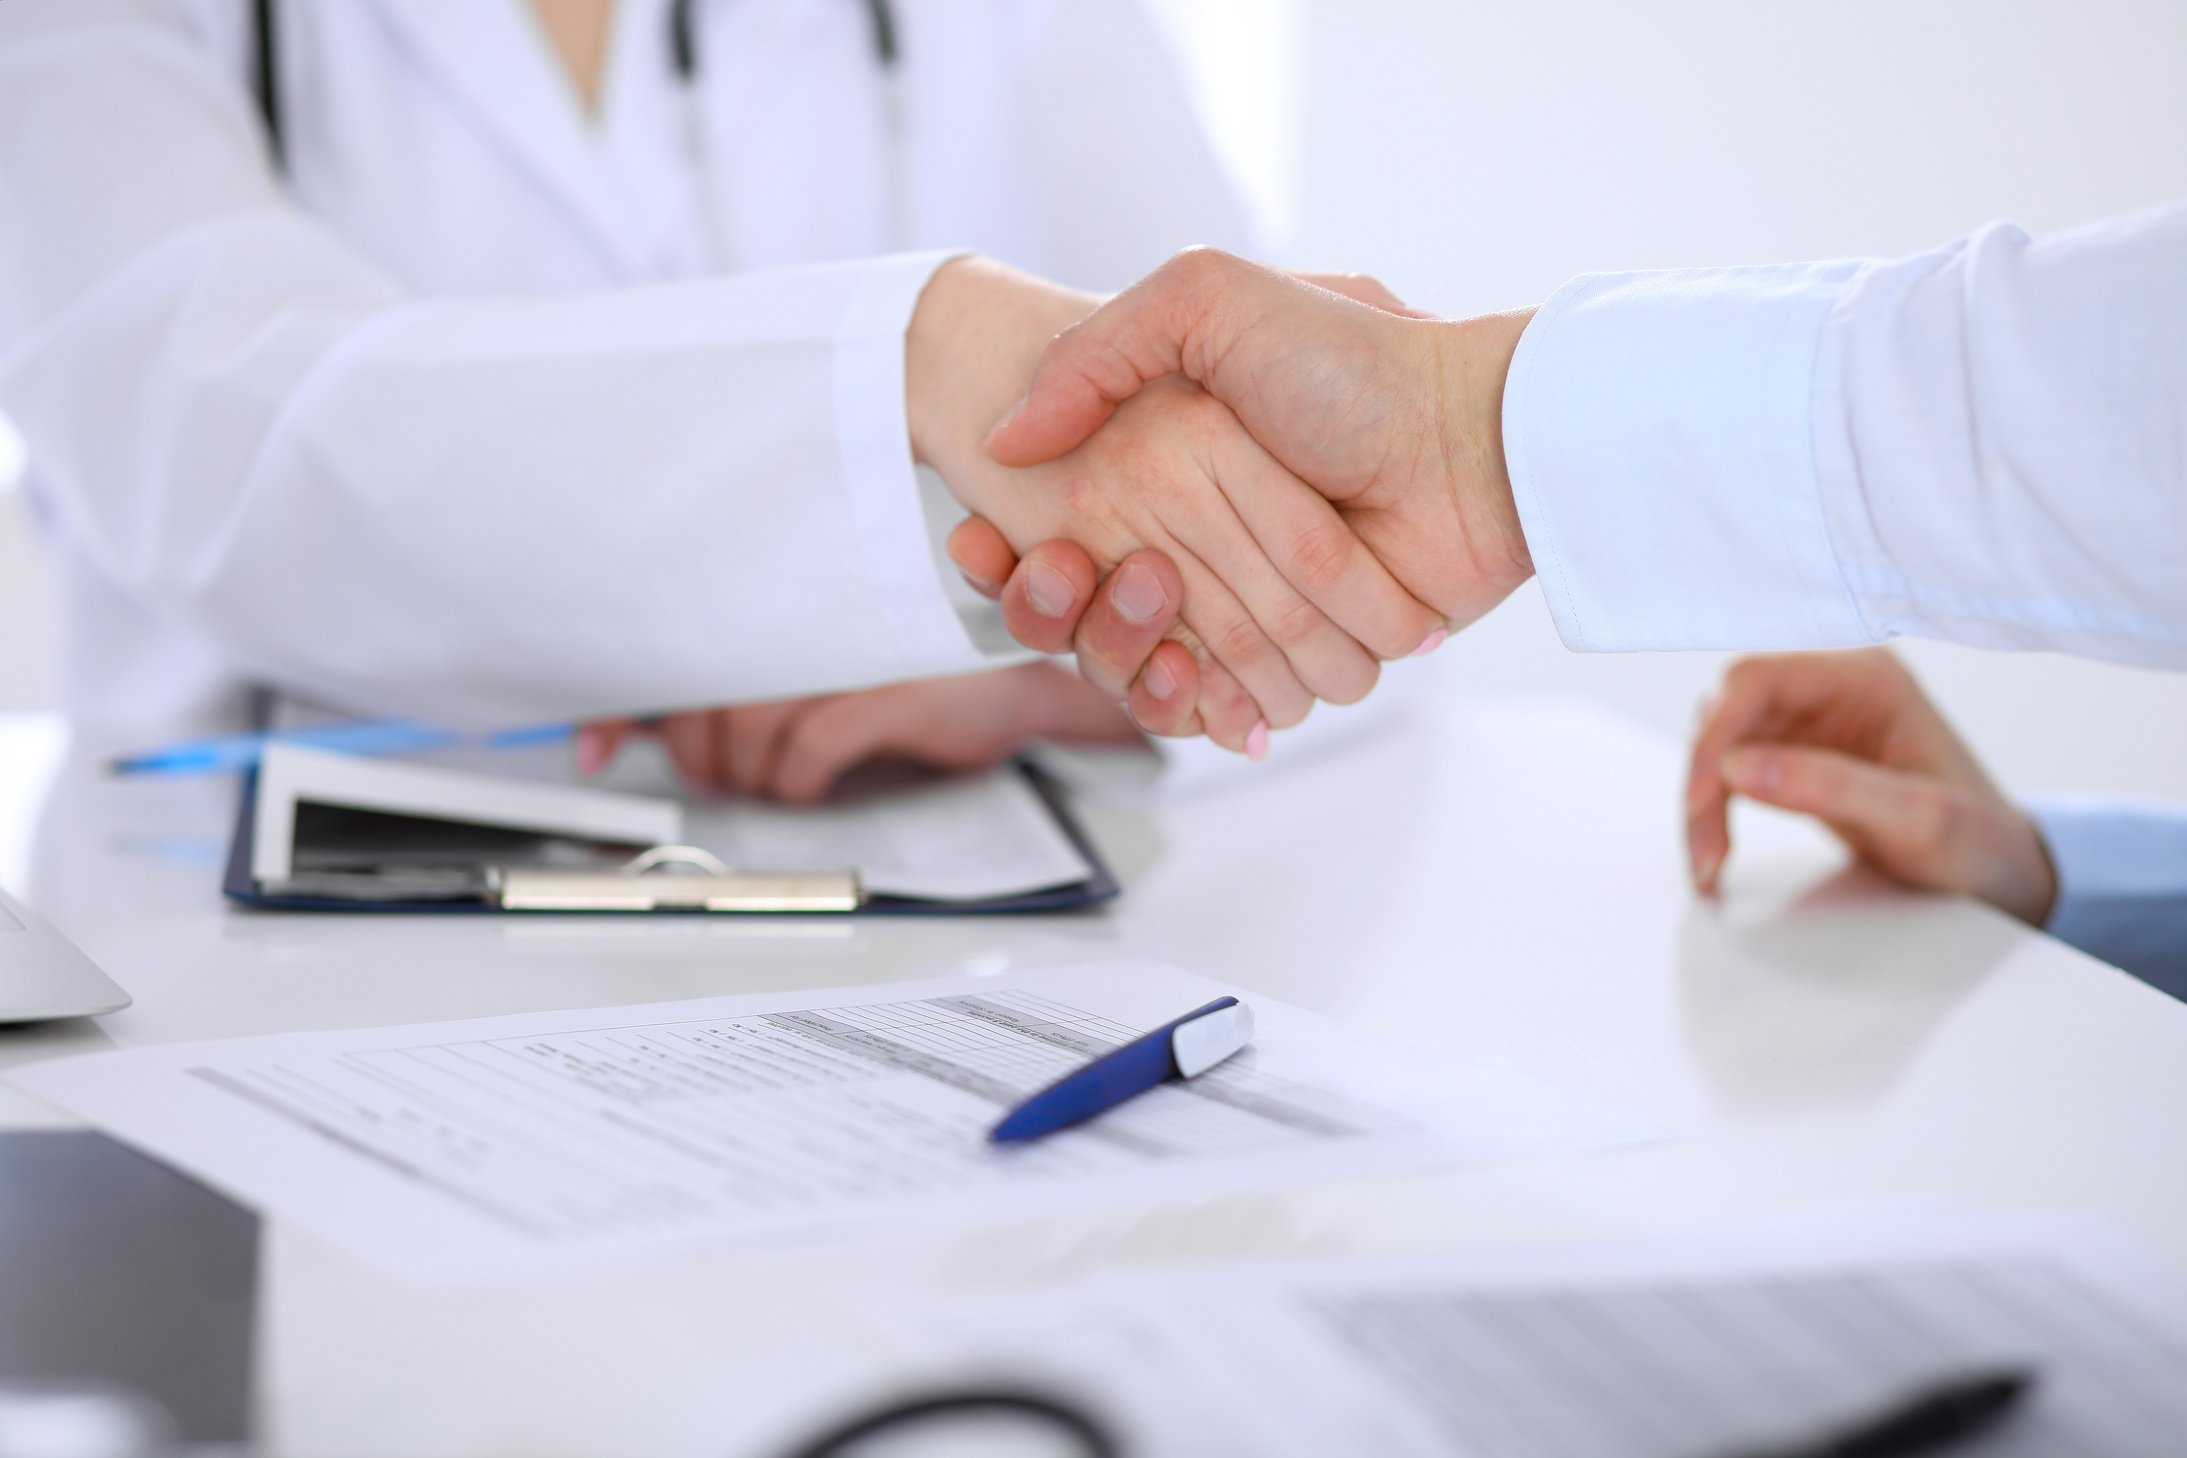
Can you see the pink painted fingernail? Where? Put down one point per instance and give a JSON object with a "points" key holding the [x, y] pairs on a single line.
{"points": [[1159, 680], [1256, 742], [1754, 771], [1049, 591], [591, 752], [1138, 594], [1430, 643]]}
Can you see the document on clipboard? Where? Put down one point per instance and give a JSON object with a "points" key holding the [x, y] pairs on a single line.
{"points": [[322, 831]]}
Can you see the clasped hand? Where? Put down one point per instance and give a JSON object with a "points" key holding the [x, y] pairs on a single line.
{"points": [[1352, 505]]}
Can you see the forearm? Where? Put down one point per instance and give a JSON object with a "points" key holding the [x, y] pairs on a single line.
{"points": [[631, 500]]}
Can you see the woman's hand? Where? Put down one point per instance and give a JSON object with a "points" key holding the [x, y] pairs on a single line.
{"points": [[797, 749], [1160, 481], [1850, 739]]}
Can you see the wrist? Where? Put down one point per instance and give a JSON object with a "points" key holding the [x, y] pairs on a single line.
{"points": [[975, 336], [1472, 363]]}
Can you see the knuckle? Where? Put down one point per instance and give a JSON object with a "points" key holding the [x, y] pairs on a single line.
{"points": [[1745, 675], [1294, 623], [1320, 557], [1354, 682], [1241, 644], [1935, 821], [1288, 711], [1196, 264]]}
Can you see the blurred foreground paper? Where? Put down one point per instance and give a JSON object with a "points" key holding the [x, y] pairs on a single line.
{"points": [[507, 1144], [1684, 1349]]}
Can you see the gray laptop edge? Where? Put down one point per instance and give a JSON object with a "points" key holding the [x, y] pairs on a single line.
{"points": [[42, 975]]}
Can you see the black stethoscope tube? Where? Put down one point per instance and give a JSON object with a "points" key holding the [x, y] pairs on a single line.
{"points": [[683, 54], [683, 36]]}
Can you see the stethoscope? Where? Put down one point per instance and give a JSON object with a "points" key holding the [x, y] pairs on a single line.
{"points": [[98, 1418], [684, 56]]}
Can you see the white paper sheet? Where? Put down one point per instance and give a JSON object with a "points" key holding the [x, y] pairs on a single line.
{"points": [[968, 839], [506, 1144], [291, 773], [1640, 1351]]}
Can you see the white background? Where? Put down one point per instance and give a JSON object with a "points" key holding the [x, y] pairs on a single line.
{"points": [[1476, 155]]}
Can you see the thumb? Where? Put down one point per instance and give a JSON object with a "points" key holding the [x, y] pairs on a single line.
{"points": [[1159, 326]]}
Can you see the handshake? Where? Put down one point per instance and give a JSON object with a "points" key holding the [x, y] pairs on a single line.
{"points": [[1232, 491]]}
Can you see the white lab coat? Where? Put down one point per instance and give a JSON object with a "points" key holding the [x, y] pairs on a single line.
{"points": [[485, 413]]}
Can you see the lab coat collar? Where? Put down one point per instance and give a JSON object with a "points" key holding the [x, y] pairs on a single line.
{"points": [[491, 57]]}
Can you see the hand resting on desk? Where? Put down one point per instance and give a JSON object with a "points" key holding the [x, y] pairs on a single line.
{"points": [[798, 749], [1850, 739]]}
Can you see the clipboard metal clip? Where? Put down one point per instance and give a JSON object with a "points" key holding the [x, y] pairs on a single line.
{"points": [[674, 878]]}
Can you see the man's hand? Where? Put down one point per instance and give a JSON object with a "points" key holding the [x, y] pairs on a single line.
{"points": [[797, 749], [1395, 421], [1850, 739], [1164, 475]]}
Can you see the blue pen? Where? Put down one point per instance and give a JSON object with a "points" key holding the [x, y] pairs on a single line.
{"points": [[363, 736], [1186, 1048]]}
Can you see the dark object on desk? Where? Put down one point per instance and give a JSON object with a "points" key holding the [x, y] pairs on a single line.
{"points": [[115, 1268], [909, 1416], [1935, 1419], [426, 865]]}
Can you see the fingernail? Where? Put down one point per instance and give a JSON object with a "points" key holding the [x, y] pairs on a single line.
{"points": [[1751, 771], [1705, 872], [979, 585], [1008, 417], [1430, 643], [1256, 742], [1049, 591], [1138, 594], [1159, 680], [591, 752]]}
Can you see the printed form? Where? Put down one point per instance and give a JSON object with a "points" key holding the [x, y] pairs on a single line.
{"points": [[505, 1144], [1762, 1343]]}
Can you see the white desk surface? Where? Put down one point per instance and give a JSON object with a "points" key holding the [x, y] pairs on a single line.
{"points": [[1497, 880]]}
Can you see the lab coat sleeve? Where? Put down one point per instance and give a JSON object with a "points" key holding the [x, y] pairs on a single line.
{"points": [[469, 510], [2122, 884], [1980, 444]]}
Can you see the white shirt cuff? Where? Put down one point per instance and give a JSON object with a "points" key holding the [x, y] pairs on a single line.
{"points": [[1660, 436], [888, 515]]}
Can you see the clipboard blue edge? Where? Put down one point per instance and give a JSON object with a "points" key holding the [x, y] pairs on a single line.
{"points": [[1102, 886]]}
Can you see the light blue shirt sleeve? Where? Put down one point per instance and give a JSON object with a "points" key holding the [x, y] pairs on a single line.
{"points": [[2122, 884]]}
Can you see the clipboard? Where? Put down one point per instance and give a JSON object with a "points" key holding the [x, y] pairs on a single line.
{"points": [[677, 881]]}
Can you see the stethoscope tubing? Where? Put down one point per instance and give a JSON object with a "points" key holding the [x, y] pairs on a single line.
{"points": [[685, 60]]}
